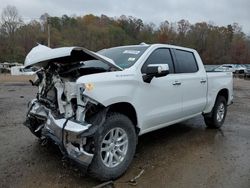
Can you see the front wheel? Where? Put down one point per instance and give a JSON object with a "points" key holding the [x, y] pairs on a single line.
{"points": [[216, 118], [115, 145]]}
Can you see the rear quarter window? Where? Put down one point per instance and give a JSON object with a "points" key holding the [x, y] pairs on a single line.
{"points": [[186, 62]]}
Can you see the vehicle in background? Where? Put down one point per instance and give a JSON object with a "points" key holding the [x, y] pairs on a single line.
{"points": [[240, 69], [247, 73], [224, 68], [6, 67], [20, 70], [210, 68], [234, 68]]}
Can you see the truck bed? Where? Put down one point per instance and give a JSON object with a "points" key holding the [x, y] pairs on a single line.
{"points": [[218, 80]]}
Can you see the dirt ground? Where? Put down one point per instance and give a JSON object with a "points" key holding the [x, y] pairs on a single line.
{"points": [[182, 155], [7, 78]]}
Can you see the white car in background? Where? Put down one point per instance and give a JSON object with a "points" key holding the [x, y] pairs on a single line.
{"points": [[247, 74], [223, 68], [240, 69], [235, 68], [20, 70]]}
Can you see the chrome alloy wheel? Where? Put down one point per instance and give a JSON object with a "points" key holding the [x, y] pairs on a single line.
{"points": [[114, 147], [220, 112]]}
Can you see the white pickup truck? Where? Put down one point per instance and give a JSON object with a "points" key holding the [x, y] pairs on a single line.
{"points": [[95, 105]]}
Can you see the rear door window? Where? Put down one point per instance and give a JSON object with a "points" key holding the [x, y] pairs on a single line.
{"points": [[186, 62]]}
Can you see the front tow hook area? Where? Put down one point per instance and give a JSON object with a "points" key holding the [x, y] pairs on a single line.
{"points": [[78, 154], [72, 130]]}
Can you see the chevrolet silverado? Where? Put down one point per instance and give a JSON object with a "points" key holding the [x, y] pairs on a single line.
{"points": [[95, 105]]}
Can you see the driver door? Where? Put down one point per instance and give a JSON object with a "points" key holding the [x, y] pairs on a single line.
{"points": [[160, 100]]}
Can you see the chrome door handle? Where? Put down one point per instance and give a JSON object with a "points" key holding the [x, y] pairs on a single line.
{"points": [[203, 81], [176, 83]]}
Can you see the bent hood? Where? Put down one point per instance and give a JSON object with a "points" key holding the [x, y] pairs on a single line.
{"points": [[42, 55]]}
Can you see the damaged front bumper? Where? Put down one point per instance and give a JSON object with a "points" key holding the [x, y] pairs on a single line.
{"points": [[64, 132]]}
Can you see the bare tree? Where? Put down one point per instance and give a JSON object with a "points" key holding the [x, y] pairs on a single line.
{"points": [[10, 21], [166, 32], [183, 26]]}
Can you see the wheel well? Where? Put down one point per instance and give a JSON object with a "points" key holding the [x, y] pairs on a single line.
{"points": [[126, 109], [224, 93]]}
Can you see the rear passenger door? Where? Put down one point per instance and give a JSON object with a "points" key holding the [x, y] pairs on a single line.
{"points": [[193, 82]]}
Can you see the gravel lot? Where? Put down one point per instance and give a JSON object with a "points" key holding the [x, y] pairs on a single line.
{"points": [[182, 155]]}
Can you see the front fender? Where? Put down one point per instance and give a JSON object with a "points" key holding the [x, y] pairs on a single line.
{"points": [[109, 88]]}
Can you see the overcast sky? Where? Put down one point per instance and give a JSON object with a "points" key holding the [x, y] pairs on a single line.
{"points": [[220, 12]]}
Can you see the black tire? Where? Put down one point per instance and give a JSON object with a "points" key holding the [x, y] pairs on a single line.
{"points": [[33, 124], [97, 168], [212, 120]]}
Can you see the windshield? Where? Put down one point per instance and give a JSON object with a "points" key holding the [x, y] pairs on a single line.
{"points": [[125, 56]]}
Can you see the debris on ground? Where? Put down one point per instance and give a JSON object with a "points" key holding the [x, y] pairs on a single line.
{"points": [[133, 180], [109, 184]]}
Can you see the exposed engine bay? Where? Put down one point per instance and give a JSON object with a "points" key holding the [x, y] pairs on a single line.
{"points": [[61, 112]]}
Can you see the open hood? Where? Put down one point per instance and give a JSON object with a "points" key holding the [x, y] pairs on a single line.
{"points": [[42, 55]]}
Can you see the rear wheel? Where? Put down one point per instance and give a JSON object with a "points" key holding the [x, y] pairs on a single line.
{"points": [[115, 145], [216, 117]]}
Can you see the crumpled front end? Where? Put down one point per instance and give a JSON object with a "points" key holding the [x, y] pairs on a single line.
{"points": [[59, 113], [66, 133]]}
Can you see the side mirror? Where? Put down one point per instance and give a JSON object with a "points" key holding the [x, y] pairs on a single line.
{"points": [[155, 70]]}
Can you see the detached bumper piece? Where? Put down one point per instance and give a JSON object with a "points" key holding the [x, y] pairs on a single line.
{"points": [[64, 132]]}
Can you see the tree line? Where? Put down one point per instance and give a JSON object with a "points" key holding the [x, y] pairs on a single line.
{"points": [[216, 44]]}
